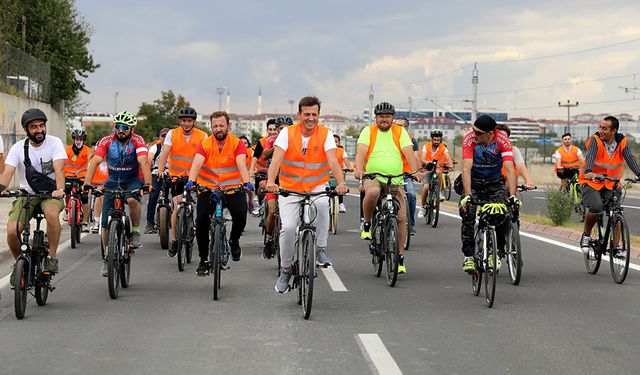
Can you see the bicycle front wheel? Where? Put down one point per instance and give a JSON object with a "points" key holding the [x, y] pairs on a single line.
{"points": [[218, 253], [42, 281], [593, 257], [435, 206], [307, 269], [125, 262], [335, 211], [447, 187], [476, 276], [113, 258], [21, 286], [164, 217], [514, 253], [181, 241], [191, 233], [491, 267], [392, 250], [620, 250], [73, 207]]}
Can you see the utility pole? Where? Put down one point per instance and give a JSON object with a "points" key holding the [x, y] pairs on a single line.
{"points": [[568, 105], [454, 115], [291, 103], [228, 99], [371, 104], [115, 109], [221, 91], [410, 108], [24, 33], [474, 95]]}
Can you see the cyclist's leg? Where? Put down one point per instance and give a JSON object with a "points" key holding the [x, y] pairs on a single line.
{"points": [[467, 229], [153, 200], [322, 219], [237, 206], [398, 192], [592, 200], [51, 209], [289, 215], [410, 189], [271, 204], [177, 189], [204, 208], [16, 214], [135, 208], [84, 199], [497, 192], [371, 194], [425, 190]]}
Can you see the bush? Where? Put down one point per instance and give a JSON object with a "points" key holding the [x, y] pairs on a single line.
{"points": [[558, 206]]}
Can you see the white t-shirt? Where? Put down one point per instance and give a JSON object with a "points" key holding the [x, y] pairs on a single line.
{"points": [[153, 150], [283, 141], [517, 156], [167, 139], [41, 157], [1, 146]]}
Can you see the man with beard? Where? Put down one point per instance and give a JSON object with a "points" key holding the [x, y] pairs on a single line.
{"points": [[179, 149], [47, 156], [220, 162], [78, 156], [126, 155]]}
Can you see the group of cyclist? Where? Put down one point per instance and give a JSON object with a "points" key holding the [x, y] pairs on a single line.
{"points": [[298, 157]]}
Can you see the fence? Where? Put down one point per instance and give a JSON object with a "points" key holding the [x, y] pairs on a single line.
{"points": [[24, 75]]}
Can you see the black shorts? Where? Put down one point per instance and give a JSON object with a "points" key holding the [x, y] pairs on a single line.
{"points": [[567, 173], [594, 200], [177, 187]]}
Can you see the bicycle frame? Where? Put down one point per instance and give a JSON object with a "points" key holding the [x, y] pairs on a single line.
{"points": [[74, 196]]}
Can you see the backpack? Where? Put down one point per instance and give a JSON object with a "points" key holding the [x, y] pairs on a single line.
{"points": [[39, 182]]}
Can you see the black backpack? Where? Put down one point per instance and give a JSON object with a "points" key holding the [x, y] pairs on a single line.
{"points": [[40, 183]]}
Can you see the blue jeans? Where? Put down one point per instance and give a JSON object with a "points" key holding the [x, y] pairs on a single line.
{"points": [[410, 188], [110, 198]]}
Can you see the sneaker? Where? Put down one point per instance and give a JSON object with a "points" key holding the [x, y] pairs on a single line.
{"points": [[366, 232], [50, 265], [420, 212], [585, 240], [412, 231], [469, 265], [65, 215], [236, 251], [267, 252], [343, 208], [203, 269], [322, 257], [104, 271], [173, 249], [402, 268], [282, 285], [442, 198], [226, 215], [95, 228], [135, 239], [150, 229], [85, 227], [256, 211], [13, 275], [498, 264], [250, 207]]}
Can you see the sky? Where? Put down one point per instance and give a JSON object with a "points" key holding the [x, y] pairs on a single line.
{"points": [[530, 54]]}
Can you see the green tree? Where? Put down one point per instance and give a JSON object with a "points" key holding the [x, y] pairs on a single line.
{"points": [[255, 137], [352, 131], [162, 113], [55, 33], [96, 131]]}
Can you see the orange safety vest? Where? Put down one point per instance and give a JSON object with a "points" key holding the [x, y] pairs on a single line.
{"points": [[182, 152], [76, 165], [568, 159], [220, 169], [427, 153], [340, 155], [300, 172], [249, 157], [101, 175], [612, 166], [262, 165], [397, 132]]}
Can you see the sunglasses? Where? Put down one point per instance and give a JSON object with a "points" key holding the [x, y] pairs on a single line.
{"points": [[479, 132], [122, 127]]}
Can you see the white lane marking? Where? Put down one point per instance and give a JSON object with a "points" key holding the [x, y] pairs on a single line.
{"points": [[634, 207], [552, 242], [377, 354], [334, 281], [539, 198]]}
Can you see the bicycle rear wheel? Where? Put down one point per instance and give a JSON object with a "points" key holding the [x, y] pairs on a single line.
{"points": [[619, 255], [217, 254], [41, 283], [377, 257], [73, 207], [407, 240], [476, 276], [392, 251], [181, 241], [163, 222], [514, 253], [307, 271], [491, 267], [435, 206], [593, 257], [125, 262], [21, 286], [335, 211], [191, 233], [428, 215], [113, 258]]}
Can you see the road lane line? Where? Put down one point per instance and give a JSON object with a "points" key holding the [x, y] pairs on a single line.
{"points": [[334, 281], [378, 356], [553, 242], [634, 207]]}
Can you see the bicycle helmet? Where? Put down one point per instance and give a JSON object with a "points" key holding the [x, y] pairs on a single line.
{"points": [[494, 213], [284, 120], [188, 112], [436, 133], [32, 114], [79, 133], [384, 108], [125, 118]]}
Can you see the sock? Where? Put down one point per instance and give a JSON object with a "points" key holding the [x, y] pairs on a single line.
{"points": [[401, 260], [96, 219], [135, 229], [367, 227]]}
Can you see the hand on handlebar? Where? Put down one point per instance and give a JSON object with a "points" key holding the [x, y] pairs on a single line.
{"points": [[342, 189], [273, 188]]}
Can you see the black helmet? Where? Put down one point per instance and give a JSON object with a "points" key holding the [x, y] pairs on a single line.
{"points": [[32, 114], [384, 108], [284, 120], [436, 133], [188, 112], [79, 133]]}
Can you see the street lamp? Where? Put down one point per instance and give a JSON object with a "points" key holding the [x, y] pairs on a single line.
{"points": [[291, 103], [115, 105], [221, 91]]}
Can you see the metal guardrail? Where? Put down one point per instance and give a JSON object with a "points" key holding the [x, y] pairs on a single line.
{"points": [[23, 75]]}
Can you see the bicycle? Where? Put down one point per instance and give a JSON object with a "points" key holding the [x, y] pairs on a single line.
{"points": [[513, 249], [574, 189], [445, 183], [304, 259], [616, 230], [334, 206], [74, 208], [218, 242], [275, 247], [384, 246], [164, 210], [186, 230], [119, 249], [29, 276], [432, 205]]}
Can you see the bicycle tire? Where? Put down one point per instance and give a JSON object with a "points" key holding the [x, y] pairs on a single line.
{"points": [[191, 231], [308, 271], [73, 220], [181, 240], [593, 258], [113, 258], [392, 251], [491, 268], [619, 260], [435, 206], [376, 258], [514, 253], [476, 276], [125, 262], [407, 240], [42, 285], [163, 226], [21, 286], [79, 226], [447, 189], [218, 250], [335, 211]]}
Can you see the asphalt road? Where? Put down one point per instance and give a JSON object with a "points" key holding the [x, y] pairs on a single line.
{"points": [[560, 320]]}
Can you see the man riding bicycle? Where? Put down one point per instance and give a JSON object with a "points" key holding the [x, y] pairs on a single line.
{"points": [[43, 172], [155, 149], [179, 148], [303, 155], [261, 165], [78, 156], [434, 150], [568, 159], [126, 155], [385, 148], [484, 152], [219, 162], [606, 153]]}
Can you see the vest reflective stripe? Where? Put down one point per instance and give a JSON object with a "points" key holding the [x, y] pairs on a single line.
{"points": [[262, 165], [397, 133], [220, 168], [612, 166], [182, 152], [78, 167], [304, 172]]}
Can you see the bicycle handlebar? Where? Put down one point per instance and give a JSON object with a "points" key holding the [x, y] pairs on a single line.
{"points": [[23, 193], [329, 192], [237, 189]]}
